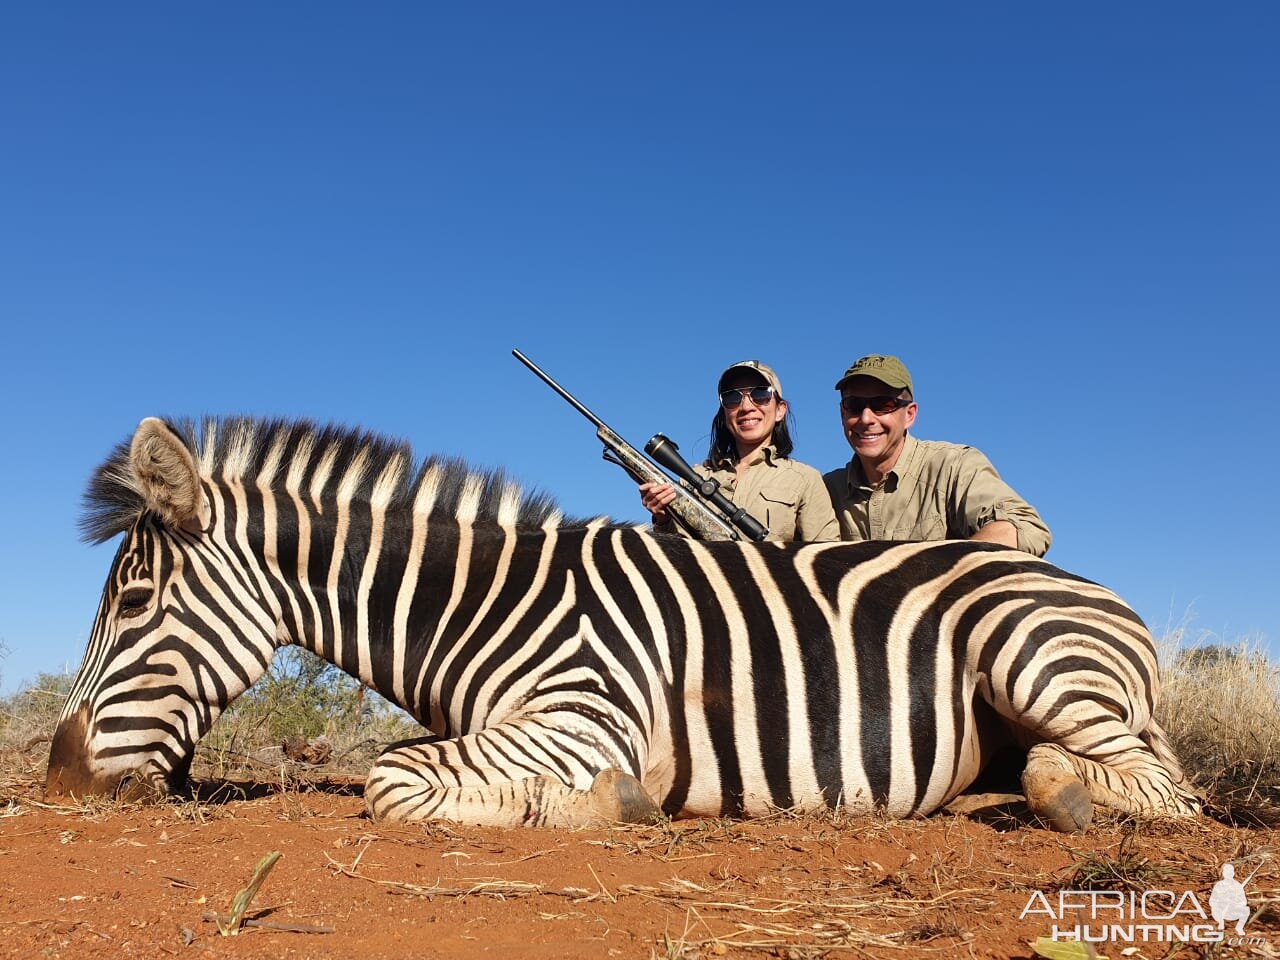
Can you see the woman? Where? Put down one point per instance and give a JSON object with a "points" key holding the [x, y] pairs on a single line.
{"points": [[750, 457]]}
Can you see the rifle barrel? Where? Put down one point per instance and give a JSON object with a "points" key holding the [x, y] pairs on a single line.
{"points": [[702, 520], [547, 379]]}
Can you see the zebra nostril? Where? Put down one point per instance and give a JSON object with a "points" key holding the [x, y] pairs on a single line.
{"points": [[127, 788], [133, 788]]}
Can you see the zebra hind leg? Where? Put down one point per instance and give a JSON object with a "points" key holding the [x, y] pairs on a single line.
{"points": [[439, 780], [1062, 786]]}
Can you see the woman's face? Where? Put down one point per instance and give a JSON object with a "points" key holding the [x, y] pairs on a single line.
{"points": [[751, 423]]}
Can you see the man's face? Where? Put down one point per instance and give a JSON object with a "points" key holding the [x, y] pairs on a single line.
{"points": [[876, 438]]}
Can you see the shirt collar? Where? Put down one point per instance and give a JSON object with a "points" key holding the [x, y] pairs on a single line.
{"points": [[768, 453], [904, 467]]}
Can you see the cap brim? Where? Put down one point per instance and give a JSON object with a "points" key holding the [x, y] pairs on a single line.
{"points": [[871, 376], [720, 387]]}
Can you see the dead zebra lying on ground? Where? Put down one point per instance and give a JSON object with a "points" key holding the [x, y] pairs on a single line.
{"points": [[574, 671]]}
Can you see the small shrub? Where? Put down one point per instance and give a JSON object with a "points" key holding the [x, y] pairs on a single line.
{"points": [[32, 713], [303, 697]]}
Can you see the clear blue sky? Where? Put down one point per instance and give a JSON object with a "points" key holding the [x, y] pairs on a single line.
{"points": [[1066, 219]]}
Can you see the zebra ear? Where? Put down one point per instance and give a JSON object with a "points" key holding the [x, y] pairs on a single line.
{"points": [[167, 475]]}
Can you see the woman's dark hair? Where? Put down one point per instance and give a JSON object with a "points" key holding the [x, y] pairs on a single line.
{"points": [[723, 448]]}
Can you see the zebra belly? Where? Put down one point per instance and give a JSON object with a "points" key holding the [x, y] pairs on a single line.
{"points": [[891, 768]]}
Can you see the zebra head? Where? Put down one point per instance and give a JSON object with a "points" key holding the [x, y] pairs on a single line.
{"points": [[181, 628]]}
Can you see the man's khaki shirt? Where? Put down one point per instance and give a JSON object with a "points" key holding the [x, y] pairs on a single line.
{"points": [[936, 491], [786, 496]]}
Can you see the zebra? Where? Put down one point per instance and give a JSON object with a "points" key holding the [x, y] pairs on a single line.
{"points": [[576, 672]]}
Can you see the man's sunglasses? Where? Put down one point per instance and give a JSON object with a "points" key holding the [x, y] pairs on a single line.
{"points": [[879, 405], [760, 396]]}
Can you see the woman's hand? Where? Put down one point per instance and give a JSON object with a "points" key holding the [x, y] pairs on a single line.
{"points": [[655, 497]]}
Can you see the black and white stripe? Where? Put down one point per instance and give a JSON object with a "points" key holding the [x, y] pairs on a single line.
{"points": [[727, 678]]}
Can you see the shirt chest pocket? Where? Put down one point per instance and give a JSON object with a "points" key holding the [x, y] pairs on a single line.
{"points": [[929, 524], [777, 511]]}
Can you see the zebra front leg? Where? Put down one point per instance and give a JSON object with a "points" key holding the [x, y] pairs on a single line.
{"points": [[505, 776]]}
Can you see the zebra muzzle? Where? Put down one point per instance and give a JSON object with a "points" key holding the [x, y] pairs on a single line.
{"points": [[72, 776], [69, 774]]}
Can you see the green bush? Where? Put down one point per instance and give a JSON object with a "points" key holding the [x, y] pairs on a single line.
{"points": [[304, 697]]}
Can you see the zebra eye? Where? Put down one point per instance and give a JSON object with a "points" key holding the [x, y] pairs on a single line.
{"points": [[134, 601]]}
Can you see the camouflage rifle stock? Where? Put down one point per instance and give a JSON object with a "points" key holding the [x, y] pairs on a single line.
{"points": [[700, 520]]}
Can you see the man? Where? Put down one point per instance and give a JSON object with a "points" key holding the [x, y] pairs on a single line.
{"points": [[899, 488]]}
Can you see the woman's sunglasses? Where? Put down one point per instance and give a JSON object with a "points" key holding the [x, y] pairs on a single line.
{"points": [[760, 396], [879, 405]]}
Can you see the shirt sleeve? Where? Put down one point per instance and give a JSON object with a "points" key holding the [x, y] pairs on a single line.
{"points": [[815, 516], [979, 496]]}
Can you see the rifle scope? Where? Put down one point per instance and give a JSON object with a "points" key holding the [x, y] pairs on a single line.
{"points": [[665, 451]]}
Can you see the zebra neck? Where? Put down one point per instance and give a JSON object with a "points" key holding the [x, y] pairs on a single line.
{"points": [[415, 608]]}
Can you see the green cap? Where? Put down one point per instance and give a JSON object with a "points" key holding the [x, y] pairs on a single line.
{"points": [[886, 369]]}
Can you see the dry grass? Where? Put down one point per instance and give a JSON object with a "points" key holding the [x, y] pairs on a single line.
{"points": [[29, 716], [807, 912], [27, 722], [1220, 706], [1126, 869]]}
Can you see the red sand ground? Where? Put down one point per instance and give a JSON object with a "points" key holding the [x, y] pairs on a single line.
{"points": [[138, 881]]}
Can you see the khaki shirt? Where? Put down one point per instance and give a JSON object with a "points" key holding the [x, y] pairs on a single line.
{"points": [[786, 496], [936, 491]]}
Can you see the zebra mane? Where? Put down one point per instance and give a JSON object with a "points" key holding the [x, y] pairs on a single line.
{"points": [[320, 463]]}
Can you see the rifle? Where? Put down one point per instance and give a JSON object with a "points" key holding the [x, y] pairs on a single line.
{"points": [[702, 521]]}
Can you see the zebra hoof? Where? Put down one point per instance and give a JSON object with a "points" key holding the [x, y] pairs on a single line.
{"points": [[1059, 799], [621, 798]]}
